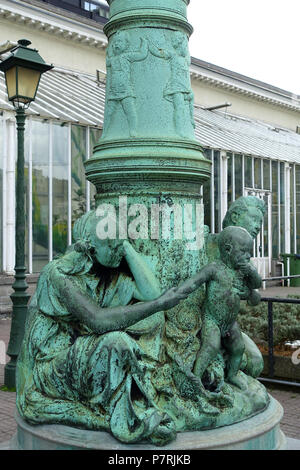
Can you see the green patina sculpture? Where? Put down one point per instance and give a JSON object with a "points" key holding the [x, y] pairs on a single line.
{"points": [[111, 342], [71, 369], [246, 212], [94, 351], [229, 279]]}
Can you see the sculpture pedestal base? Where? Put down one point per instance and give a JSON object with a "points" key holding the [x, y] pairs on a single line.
{"points": [[261, 432]]}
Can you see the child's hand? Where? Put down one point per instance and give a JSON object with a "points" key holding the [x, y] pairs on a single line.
{"points": [[254, 297], [253, 278], [245, 268]]}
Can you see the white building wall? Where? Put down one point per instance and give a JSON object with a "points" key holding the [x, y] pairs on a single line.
{"points": [[208, 95], [56, 50]]}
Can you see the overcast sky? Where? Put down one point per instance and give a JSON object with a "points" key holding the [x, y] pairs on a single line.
{"points": [[257, 38]]}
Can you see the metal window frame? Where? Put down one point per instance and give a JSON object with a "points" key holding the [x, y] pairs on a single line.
{"points": [[279, 206], [287, 207], [69, 183], [295, 208], [233, 177], [87, 156], [3, 195], [7, 123], [50, 213], [212, 193], [10, 188], [243, 174], [30, 196], [223, 187]]}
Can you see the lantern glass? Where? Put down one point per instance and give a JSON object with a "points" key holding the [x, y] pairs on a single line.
{"points": [[11, 82], [22, 83]]}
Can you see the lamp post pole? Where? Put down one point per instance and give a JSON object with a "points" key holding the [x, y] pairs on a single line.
{"points": [[19, 297]]}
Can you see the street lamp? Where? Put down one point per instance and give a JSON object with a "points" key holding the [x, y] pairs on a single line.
{"points": [[23, 69]]}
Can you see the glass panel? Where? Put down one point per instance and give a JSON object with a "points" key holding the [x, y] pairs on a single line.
{"points": [[90, 6], [207, 153], [206, 194], [265, 234], [28, 81], [292, 211], [238, 172], [282, 208], [248, 172], [1, 191], [298, 207], [78, 151], [11, 82], [275, 250], [95, 135], [217, 190], [266, 168], [40, 194], [230, 195], [60, 189], [257, 173], [26, 182]]}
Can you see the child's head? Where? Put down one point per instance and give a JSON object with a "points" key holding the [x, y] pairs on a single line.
{"points": [[120, 42], [235, 245], [247, 212]]}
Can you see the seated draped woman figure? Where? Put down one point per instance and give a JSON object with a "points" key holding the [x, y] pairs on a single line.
{"points": [[93, 336]]}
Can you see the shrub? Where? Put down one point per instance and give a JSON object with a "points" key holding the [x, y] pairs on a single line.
{"points": [[286, 322]]}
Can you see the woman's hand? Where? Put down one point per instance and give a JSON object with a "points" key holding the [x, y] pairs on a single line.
{"points": [[147, 285], [128, 249], [171, 298]]}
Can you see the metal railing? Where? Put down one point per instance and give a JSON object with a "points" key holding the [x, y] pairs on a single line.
{"points": [[271, 359], [280, 278]]}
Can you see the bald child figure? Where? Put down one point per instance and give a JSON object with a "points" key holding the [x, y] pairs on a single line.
{"points": [[229, 279]]}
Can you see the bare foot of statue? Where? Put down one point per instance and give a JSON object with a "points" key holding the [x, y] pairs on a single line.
{"points": [[193, 388], [239, 381]]}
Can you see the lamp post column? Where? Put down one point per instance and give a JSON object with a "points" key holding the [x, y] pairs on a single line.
{"points": [[20, 297]]}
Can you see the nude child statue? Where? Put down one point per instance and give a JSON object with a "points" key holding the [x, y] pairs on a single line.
{"points": [[228, 280]]}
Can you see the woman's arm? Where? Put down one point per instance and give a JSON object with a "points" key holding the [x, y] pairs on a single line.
{"points": [[206, 274], [101, 320], [147, 285], [136, 56], [161, 53]]}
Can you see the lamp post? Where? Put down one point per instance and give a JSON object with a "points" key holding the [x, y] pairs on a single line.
{"points": [[23, 69]]}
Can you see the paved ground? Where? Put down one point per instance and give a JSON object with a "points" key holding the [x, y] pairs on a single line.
{"points": [[278, 291], [289, 398], [7, 399]]}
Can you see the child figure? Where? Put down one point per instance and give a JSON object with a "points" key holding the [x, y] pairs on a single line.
{"points": [[119, 62], [228, 280]]}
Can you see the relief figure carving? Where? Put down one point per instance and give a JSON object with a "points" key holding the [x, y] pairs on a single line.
{"points": [[120, 88], [178, 89]]}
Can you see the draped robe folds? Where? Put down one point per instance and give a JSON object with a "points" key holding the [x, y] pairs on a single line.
{"points": [[68, 374]]}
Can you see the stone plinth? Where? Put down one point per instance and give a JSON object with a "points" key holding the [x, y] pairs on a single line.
{"points": [[261, 432]]}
